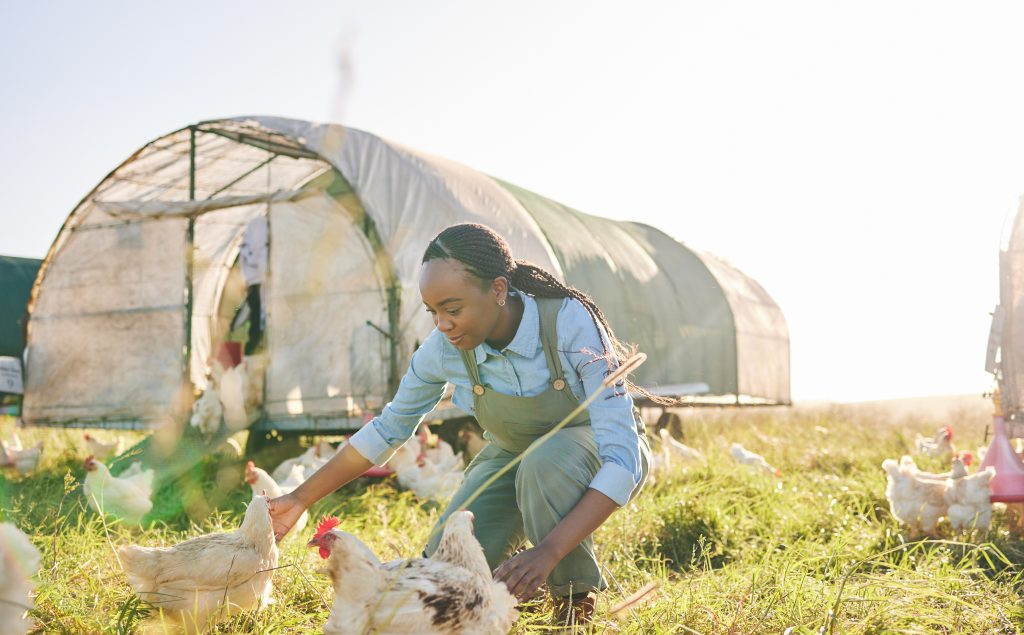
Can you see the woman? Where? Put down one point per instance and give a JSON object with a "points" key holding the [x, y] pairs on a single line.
{"points": [[522, 351]]}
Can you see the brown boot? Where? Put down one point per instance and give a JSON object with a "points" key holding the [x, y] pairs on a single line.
{"points": [[577, 610]]}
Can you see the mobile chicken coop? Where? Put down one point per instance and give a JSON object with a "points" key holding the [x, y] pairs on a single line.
{"points": [[141, 282]]}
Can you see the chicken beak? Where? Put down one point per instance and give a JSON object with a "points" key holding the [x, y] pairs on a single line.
{"points": [[313, 543]]}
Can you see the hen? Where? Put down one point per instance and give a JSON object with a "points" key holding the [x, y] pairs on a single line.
{"points": [[744, 456], [443, 456], [916, 499], [678, 449], [19, 561], [203, 579], [103, 450], [451, 593], [427, 480], [940, 445], [17, 456], [969, 499], [207, 411], [260, 481], [126, 497], [312, 459]]}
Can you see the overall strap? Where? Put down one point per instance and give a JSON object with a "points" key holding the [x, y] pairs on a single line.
{"points": [[548, 309], [469, 359]]}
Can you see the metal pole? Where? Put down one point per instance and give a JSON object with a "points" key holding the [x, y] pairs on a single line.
{"points": [[189, 257], [394, 340]]}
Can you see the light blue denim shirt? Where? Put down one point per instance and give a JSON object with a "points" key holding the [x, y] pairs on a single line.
{"points": [[518, 369]]}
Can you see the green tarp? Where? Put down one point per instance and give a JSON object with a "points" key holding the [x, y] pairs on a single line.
{"points": [[16, 278]]}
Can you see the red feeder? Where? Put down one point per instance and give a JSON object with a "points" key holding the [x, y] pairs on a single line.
{"points": [[1008, 483]]}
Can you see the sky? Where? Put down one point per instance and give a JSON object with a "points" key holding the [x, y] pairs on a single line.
{"points": [[860, 160]]}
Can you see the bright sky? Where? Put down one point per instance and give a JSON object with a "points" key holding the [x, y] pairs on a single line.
{"points": [[858, 159]]}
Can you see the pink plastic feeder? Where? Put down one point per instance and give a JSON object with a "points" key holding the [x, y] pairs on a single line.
{"points": [[1008, 483]]}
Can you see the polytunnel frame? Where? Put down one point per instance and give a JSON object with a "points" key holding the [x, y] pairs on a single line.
{"points": [[382, 265]]}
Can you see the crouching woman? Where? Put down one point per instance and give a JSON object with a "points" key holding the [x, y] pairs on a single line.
{"points": [[522, 350]]}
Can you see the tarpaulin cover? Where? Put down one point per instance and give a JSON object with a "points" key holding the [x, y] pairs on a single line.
{"points": [[114, 330], [16, 278]]}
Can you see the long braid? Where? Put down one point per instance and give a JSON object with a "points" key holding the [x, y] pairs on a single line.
{"points": [[486, 255]]}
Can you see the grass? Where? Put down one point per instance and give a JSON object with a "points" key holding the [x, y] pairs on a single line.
{"points": [[730, 550]]}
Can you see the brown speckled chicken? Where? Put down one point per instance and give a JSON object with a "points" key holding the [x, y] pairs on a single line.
{"points": [[208, 577], [451, 593]]}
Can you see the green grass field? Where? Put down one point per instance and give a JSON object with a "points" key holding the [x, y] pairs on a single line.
{"points": [[730, 550]]}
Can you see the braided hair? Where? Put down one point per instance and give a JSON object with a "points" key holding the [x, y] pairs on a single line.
{"points": [[487, 256]]}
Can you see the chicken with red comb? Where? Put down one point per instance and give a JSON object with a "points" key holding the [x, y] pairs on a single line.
{"points": [[451, 593], [326, 524]]}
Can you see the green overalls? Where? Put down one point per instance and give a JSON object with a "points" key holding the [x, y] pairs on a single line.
{"points": [[531, 498]]}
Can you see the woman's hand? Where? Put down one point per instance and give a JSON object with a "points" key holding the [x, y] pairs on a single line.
{"points": [[524, 572], [284, 512]]}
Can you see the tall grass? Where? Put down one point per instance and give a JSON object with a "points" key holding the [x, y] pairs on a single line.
{"points": [[730, 550]]}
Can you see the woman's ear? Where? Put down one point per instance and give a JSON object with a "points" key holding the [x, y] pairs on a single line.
{"points": [[499, 288]]}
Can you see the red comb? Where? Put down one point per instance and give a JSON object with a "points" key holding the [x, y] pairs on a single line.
{"points": [[949, 433], [327, 523], [249, 465]]}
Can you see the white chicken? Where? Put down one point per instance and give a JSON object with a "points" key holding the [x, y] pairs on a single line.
{"points": [[408, 456], [678, 449], [443, 456], [126, 497], [917, 500], [426, 479], [206, 578], [231, 385], [207, 411], [23, 459], [969, 499], [14, 443], [19, 561], [312, 459], [260, 481], [744, 456], [103, 450], [430, 483], [451, 593], [940, 445]]}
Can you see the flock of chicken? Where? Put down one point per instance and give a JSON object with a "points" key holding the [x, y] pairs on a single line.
{"points": [[451, 592], [237, 567], [919, 499]]}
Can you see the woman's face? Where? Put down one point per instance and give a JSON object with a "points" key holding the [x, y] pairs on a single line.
{"points": [[463, 310]]}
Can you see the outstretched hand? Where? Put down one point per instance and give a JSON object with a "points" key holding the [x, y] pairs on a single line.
{"points": [[284, 512], [526, 571]]}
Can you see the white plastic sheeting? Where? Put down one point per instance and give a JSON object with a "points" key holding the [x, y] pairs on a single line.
{"points": [[106, 338], [324, 359], [108, 330], [412, 196], [107, 333]]}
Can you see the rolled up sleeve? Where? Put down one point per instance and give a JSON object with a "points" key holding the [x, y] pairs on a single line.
{"points": [[611, 413], [419, 391]]}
